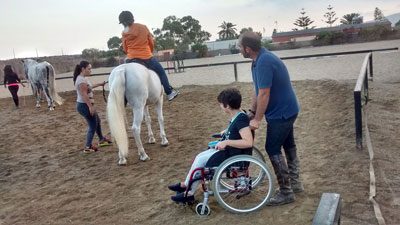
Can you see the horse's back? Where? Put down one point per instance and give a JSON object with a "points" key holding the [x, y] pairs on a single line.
{"points": [[39, 71], [140, 81]]}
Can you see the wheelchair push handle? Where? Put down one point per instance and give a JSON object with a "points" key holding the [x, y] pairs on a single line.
{"points": [[216, 135]]}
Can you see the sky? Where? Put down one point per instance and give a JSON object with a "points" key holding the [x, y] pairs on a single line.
{"points": [[55, 27]]}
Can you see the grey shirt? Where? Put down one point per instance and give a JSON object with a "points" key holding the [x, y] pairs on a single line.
{"points": [[82, 80]]}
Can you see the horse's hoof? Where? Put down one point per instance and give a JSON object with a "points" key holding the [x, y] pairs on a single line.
{"points": [[122, 162], [144, 158], [37, 106], [152, 140], [164, 144]]}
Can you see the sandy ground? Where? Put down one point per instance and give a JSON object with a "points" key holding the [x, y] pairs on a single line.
{"points": [[46, 179]]}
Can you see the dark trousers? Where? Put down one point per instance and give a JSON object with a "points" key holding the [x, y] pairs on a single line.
{"points": [[94, 123], [14, 90], [280, 133], [153, 64]]}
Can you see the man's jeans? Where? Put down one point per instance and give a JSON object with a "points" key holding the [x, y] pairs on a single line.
{"points": [[153, 64], [279, 133]]}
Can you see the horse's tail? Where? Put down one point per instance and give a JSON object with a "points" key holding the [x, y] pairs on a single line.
{"points": [[116, 110], [51, 83]]}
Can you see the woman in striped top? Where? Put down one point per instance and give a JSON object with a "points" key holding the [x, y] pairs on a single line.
{"points": [[85, 105]]}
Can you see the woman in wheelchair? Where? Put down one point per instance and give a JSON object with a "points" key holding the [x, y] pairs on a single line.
{"points": [[236, 139]]}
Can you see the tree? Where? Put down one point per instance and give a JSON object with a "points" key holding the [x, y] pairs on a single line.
{"points": [[114, 43], [178, 33], [192, 28], [303, 21], [244, 30], [250, 29], [161, 41], [378, 15], [397, 24], [352, 18], [228, 31], [330, 16], [90, 53]]}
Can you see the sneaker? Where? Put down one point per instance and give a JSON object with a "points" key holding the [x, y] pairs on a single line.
{"points": [[181, 198], [173, 95], [177, 187], [90, 149], [105, 142]]}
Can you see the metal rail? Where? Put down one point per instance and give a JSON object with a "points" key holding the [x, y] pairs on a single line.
{"points": [[284, 58], [361, 96], [249, 61]]}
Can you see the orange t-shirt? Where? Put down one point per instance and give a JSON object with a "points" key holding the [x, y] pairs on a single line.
{"points": [[138, 42]]}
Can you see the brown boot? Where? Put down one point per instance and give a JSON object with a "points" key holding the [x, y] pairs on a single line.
{"points": [[293, 163], [284, 195]]}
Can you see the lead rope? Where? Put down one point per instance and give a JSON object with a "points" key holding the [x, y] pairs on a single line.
{"points": [[104, 92], [372, 187]]}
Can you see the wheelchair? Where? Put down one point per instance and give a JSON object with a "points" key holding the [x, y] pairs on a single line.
{"points": [[241, 183]]}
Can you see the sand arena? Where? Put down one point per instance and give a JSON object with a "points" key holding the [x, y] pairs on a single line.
{"points": [[45, 179]]}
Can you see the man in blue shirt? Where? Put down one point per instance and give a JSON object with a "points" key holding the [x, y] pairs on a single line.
{"points": [[275, 99]]}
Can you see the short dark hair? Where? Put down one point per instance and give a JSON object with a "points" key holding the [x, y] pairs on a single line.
{"points": [[231, 97], [251, 40]]}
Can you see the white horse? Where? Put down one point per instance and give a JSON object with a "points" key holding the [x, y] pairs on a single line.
{"points": [[141, 87], [42, 75]]}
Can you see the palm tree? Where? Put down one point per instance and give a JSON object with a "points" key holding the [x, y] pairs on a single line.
{"points": [[228, 31], [349, 18]]}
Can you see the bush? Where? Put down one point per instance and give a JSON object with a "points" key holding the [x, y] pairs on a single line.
{"points": [[111, 62], [266, 45], [377, 32], [96, 63], [234, 49], [201, 49], [90, 53], [328, 38]]}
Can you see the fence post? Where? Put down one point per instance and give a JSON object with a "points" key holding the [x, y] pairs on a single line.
{"points": [[235, 70], [371, 67], [358, 118], [366, 90]]}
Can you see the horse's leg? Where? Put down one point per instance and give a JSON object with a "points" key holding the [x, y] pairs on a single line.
{"points": [[164, 141], [147, 119], [48, 98], [35, 90], [137, 121]]}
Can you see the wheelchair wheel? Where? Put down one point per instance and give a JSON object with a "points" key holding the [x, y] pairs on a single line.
{"points": [[206, 209], [257, 154], [242, 184]]}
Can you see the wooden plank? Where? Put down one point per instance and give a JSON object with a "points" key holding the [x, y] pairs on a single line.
{"points": [[328, 212]]}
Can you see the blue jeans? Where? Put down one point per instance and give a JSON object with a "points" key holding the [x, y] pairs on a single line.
{"points": [[153, 64], [280, 133], [93, 122]]}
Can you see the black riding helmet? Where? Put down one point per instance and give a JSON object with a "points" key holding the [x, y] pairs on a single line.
{"points": [[125, 17]]}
